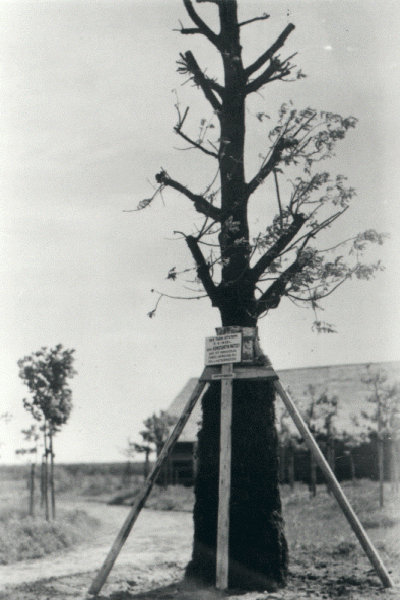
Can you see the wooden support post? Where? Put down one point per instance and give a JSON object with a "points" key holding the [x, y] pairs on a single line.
{"points": [[101, 577], [350, 515], [222, 566]]}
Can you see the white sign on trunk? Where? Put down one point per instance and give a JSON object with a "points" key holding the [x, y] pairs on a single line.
{"points": [[224, 349]]}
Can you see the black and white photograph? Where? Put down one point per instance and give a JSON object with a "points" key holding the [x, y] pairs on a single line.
{"points": [[200, 282]]}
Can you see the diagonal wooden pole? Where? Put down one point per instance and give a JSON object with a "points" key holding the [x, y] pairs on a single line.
{"points": [[121, 538], [350, 515]]}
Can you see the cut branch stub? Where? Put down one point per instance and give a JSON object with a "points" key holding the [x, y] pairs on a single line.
{"points": [[203, 271], [200, 203], [273, 295], [188, 64], [201, 25], [268, 54]]}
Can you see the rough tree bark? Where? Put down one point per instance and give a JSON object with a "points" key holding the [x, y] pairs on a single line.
{"points": [[257, 546]]}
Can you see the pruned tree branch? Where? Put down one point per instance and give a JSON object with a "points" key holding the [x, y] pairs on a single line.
{"points": [[272, 253], [277, 69], [213, 1], [188, 64], [317, 228], [272, 296], [200, 203], [201, 25], [203, 271], [268, 54], [261, 18], [278, 197], [187, 30]]}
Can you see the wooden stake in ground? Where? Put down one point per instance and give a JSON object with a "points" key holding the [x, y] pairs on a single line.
{"points": [[224, 478], [350, 515], [102, 575]]}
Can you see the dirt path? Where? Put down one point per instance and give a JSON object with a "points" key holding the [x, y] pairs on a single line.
{"points": [[157, 539], [151, 565]]}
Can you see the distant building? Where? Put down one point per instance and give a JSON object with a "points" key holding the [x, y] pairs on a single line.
{"points": [[344, 381]]}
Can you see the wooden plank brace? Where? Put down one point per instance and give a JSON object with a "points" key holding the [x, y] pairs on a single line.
{"points": [[121, 538]]}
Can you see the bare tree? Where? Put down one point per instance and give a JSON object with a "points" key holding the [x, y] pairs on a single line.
{"points": [[386, 400], [352, 438], [146, 449], [245, 274]]}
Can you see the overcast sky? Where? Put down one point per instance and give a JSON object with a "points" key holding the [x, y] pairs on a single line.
{"points": [[87, 96]]}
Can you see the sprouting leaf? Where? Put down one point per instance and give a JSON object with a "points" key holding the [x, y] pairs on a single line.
{"points": [[172, 274], [144, 203], [261, 116], [232, 225], [369, 236], [322, 327]]}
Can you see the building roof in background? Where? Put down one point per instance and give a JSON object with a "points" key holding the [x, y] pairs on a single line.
{"points": [[343, 381]]}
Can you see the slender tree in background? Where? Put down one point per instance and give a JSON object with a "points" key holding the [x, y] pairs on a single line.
{"points": [[328, 407], [310, 414], [145, 449], [382, 421], [156, 434], [395, 448], [319, 414], [352, 438], [46, 373], [31, 435], [158, 429], [245, 274], [129, 451], [288, 443]]}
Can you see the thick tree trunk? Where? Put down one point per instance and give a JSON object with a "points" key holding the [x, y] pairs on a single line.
{"points": [[258, 555]]}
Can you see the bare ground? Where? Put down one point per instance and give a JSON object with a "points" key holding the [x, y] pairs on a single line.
{"points": [[151, 564]]}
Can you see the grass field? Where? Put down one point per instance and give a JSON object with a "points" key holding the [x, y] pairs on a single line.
{"points": [[24, 537]]}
